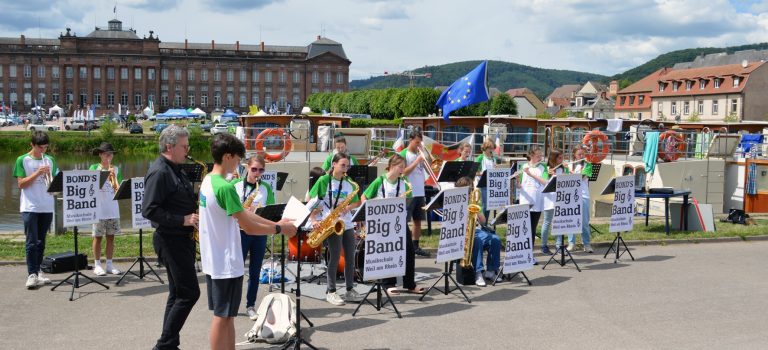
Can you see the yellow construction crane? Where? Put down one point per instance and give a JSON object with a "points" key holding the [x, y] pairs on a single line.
{"points": [[411, 75]]}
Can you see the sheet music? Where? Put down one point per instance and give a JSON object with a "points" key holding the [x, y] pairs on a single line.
{"points": [[297, 211]]}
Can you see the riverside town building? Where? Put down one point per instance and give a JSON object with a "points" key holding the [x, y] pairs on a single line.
{"points": [[115, 66]]}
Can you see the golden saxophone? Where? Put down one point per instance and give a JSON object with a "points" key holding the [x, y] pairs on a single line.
{"points": [[331, 224], [469, 239], [203, 173], [252, 196]]}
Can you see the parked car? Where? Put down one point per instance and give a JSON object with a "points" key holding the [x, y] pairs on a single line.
{"points": [[159, 127], [219, 128], [48, 127], [7, 121], [206, 127], [135, 128], [81, 125]]}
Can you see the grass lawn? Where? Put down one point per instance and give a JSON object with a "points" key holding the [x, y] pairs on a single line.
{"points": [[127, 245]]}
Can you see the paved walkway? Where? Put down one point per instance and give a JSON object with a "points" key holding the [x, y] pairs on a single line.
{"points": [[681, 296]]}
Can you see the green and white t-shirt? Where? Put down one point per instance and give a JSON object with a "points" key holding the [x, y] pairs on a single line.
{"points": [[221, 253], [35, 197], [485, 162], [382, 188], [332, 192], [417, 177], [108, 207], [264, 197], [329, 160]]}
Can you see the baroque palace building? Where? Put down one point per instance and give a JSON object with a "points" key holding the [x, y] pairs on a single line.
{"points": [[115, 66]]}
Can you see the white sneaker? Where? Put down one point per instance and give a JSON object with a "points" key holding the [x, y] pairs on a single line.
{"points": [[251, 313], [334, 299], [571, 247], [588, 248], [113, 270], [31, 281], [352, 296], [479, 280], [99, 271], [41, 279]]}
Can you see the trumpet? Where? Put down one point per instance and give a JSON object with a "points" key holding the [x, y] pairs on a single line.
{"points": [[48, 178], [431, 164], [113, 178]]}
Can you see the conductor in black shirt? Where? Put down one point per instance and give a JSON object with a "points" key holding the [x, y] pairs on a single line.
{"points": [[170, 204]]}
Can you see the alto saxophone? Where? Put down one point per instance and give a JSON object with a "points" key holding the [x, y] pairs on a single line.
{"points": [[331, 224], [203, 173], [469, 239], [252, 196]]}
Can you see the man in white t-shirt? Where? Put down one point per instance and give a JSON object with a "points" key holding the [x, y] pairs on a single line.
{"points": [[34, 171], [221, 219]]}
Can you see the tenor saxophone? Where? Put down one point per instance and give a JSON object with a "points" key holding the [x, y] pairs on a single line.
{"points": [[469, 238], [331, 224]]}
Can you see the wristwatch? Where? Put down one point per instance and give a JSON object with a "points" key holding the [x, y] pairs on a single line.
{"points": [[277, 229]]}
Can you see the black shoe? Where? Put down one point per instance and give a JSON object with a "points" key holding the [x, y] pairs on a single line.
{"points": [[421, 252]]}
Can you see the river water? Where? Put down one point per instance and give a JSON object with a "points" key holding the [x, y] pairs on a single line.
{"points": [[10, 218]]}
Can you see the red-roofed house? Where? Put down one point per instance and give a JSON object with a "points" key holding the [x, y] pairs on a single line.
{"points": [[528, 105], [634, 101], [712, 93], [561, 98]]}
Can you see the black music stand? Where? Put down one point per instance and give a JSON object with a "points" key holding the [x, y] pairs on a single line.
{"points": [[362, 174], [502, 218], [595, 173], [57, 185], [437, 202], [549, 188], [274, 212], [378, 284], [281, 177], [618, 241], [124, 192], [450, 172]]}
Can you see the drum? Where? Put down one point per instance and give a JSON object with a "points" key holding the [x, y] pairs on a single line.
{"points": [[308, 254], [360, 260], [342, 262]]}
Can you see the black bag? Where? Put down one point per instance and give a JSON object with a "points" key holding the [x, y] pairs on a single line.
{"points": [[736, 216], [465, 275], [63, 262]]}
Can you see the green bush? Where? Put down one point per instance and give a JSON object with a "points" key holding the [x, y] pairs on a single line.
{"points": [[374, 123], [107, 129]]}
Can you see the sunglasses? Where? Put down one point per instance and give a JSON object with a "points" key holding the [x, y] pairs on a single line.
{"points": [[257, 170]]}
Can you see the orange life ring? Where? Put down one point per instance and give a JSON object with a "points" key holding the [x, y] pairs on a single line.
{"points": [[595, 152], [671, 145], [273, 132]]}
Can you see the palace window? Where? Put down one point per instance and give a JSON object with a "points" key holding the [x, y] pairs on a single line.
{"points": [[96, 72], [150, 74], [137, 73], [110, 73], [40, 72], [124, 73]]}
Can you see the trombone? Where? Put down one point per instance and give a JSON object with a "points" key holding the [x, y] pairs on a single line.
{"points": [[428, 161]]}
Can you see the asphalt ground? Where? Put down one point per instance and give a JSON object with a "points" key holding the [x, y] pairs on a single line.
{"points": [[681, 296]]}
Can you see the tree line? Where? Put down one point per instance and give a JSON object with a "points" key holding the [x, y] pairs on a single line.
{"points": [[398, 103]]}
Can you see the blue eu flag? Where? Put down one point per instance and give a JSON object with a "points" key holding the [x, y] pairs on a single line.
{"points": [[468, 90]]}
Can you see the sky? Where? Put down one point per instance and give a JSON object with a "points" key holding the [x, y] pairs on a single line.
{"points": [[604, 37]]}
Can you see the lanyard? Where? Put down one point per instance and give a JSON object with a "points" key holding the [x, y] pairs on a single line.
{"points": [[338, 192], [397, 190], [253, 187]]}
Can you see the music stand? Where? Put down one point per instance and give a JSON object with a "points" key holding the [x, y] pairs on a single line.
{"points": [[363, 175], [57, 185], [274, 212], [124, 192], [550, 187], [437, 202], [502, 218], [595, 173], [377, 286], [453, 171], [618, 241], [281, 177]]}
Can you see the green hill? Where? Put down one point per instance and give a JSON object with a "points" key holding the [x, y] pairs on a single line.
{"points": [[669, 59], [501, 75]]}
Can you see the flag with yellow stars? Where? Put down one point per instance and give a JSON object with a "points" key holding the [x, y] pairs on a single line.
{"points": [[468, 90]]}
